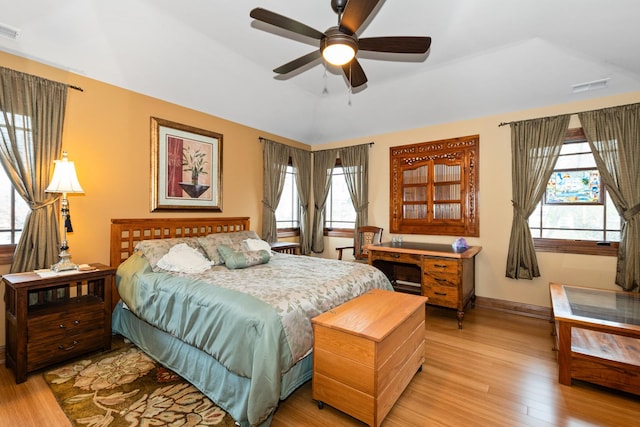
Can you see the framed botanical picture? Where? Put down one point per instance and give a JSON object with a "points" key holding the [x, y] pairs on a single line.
{"points": [[186, 167], [574, 187]]}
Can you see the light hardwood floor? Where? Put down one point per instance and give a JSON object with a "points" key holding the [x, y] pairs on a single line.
{"points": [[499, 370]]}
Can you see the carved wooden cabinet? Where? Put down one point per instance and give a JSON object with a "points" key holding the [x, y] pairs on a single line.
{"points": [[434, 187]]}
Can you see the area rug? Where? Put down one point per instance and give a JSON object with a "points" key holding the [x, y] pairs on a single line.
{"points": [[125, 387]]}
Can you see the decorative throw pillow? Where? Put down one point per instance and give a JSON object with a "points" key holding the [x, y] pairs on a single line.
{"points": [[242, 259], [234, 240], [155, 249], [256, 245], [210, 244], [238, 238], [184, 259]]}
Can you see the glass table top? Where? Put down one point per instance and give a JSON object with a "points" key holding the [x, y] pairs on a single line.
{"points": [[621, 307]]}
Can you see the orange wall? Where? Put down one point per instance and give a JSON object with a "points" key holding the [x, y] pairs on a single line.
{"points": [[107, 135]]}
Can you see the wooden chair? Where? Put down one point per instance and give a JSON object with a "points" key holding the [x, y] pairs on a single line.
{"points": [[365, 235]]}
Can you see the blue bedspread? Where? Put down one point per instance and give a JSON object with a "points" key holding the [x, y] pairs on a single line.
{"points": [[255, 321]]}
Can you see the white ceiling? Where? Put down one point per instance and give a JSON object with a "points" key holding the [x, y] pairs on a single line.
{"points": [[487, 57]]}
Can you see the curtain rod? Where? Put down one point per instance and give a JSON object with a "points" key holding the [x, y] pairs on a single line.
{"points": [[338, 148], [569, 114], [26, 74], [260, 138]]}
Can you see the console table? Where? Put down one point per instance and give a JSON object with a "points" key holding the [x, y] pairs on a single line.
{"points": [[443, 274], [597, 336]]}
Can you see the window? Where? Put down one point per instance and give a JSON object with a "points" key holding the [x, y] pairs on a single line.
{"points": [[288, 210], [576, 214], [339, 213], [13, 209]]}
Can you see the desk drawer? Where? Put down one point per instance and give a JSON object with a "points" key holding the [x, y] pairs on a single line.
{"points": [[443, 295], [395, 257], [439, 279], [440, 266]]}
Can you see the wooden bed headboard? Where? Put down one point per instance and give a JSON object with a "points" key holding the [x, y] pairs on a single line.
{"points": [[126, 233]]}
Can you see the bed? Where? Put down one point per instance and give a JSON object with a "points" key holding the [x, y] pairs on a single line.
{"points": [[239, 331]]}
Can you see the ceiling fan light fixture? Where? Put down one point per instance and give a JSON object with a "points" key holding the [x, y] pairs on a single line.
{"points": [[338, 48], [338, 54]]}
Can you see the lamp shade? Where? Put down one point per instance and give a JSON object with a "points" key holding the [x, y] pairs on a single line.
{"points": [[64, 178]]}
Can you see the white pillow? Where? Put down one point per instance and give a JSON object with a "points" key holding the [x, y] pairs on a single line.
{"points": [[257, 244], [184, 259]]}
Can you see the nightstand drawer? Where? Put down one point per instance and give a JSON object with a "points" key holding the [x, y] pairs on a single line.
{"points": [[58, 324], [45, 352]]}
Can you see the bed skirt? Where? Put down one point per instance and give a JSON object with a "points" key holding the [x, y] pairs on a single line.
{"points": [[223, 387]]}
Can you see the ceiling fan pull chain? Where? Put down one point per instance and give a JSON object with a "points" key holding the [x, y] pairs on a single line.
{"points": [[350, 85], [324, 77]]}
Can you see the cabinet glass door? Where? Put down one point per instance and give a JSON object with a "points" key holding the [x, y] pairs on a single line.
{"points": [[414, 194]]}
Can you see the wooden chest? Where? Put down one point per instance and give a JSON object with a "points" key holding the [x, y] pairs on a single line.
{"points": [[366, 352]]}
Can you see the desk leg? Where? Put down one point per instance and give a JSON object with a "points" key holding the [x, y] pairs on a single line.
{"points": [[460, 318], [564, 353]]}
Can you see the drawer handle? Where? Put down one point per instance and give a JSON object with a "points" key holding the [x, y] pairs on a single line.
{"points": [[440, 265], [440, 280], [442, 294], [395, 255], [71, 347]]}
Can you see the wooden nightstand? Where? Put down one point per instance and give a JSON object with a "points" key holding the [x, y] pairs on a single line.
{"points": [[286, 247], [51, 319]]}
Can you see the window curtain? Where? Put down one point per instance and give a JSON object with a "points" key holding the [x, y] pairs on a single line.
{"points": [[275, 159], [535, 146], [302, 163], [28, 160], [614, 138], [355, 164], [323, 164]]}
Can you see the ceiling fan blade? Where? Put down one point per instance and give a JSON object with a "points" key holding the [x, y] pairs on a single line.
{"points": [[354, 73], [297, 63], [395, 44], [355, 13], [286, 23]]}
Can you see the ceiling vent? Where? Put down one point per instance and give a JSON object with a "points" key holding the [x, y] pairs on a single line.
{"points": [[8, 32], [594, 85]]}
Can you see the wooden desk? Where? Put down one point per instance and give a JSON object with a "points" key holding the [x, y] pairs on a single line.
{"points": [[437, 271], [598, 336]]}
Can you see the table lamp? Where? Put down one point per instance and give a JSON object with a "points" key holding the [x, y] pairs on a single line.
{"points": [[64, 181]]}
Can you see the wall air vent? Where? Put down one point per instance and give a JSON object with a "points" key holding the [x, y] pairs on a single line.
{"points": [[594, 85], [9, 32]]}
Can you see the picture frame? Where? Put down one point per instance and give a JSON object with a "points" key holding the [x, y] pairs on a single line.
{"points": [[574, 187], [186, 167]]}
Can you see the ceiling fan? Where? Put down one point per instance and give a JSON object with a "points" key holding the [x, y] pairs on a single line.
{"points": [[340, 44]]}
